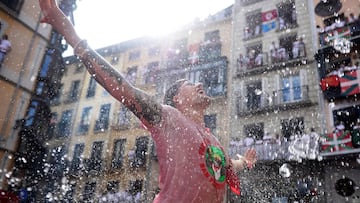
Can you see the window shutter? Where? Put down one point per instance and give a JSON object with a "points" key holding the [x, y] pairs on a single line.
{"points": [[265, 93], [277, 89], [304, 84]]}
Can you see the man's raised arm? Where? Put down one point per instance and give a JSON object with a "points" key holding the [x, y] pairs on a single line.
{"points": [[141, 104]]}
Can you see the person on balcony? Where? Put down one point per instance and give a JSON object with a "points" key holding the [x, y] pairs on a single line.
{"points": [[193, 165], [352, 18], [5, 48], [259, 60], [273, 52], [298, 49]]}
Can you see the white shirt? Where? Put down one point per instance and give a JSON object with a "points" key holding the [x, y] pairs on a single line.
{"points": [[5, 45]]}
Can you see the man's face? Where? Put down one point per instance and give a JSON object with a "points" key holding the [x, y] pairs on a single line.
{"points": [[193, 95]]}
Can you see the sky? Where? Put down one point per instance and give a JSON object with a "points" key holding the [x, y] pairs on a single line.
{"points": [[107, 22]]}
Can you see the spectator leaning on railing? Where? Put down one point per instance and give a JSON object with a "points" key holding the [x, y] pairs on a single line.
{"points": [[5, 47]]}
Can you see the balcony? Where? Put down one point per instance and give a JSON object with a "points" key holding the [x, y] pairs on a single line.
{"points": [[213, 75], [261, 63], [350, 31], [278, 100], [340, 142], [307, 146], [341, 83], [270, 150]]}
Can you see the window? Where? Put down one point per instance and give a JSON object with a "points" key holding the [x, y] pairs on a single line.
{"points": [[79, 68], [213, 36], [14, 5], [31, 113], [131, 75], [76, 160], [214, 81], [91, 88], [123, 118], [349, 116], [115, 60], [253, 25], [287, 15], [89, 191], [95, 161], [85, 120], [70, 192], [154, 51], [57, 159], [74, 91], [103, 122], [209, 52], [193, 50], [210, 122], [52, 125], [135, 55], [177, 55], [150, 73], [291, 88], [55, 100], [112, 186], [180, 44], [64, 127], [141, 151], [118, 154], [47, 61], [253, 96], [292, 127], [135, 187], [255, 130]]}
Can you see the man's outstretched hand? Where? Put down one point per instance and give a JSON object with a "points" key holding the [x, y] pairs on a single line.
{"points": [[248, 160], [55, 17], [250, 157]]}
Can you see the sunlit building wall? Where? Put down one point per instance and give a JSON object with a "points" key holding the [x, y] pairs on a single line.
{"points": [[338, 32], [18, 72], [275, 93], [108, 149]]}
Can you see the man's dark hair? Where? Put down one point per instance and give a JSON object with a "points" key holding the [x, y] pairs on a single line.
{"points": [[172, 91]]}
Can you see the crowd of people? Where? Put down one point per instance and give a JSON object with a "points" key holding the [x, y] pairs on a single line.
{"points": [[270, 146], [333, 23], [277, 53], [121, 197], [353, 65]]}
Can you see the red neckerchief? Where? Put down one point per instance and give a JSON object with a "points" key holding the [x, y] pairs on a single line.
{"points": [[232, 180]]}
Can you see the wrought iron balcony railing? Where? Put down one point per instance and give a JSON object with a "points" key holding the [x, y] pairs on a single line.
{"points": [[281, 100]]}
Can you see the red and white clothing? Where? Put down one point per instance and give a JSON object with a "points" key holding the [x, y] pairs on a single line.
{"points": [[193, 164]]}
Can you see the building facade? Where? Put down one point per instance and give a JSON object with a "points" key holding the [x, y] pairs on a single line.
{"points": [[109, 153], [20, 21], [261, 61], [338, 59]]}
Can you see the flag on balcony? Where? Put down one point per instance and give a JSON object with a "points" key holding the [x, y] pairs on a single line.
{"points": [[337, 141], [194, 53], [269, 20], [329, 81], [349, 83], [343, 32]]}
